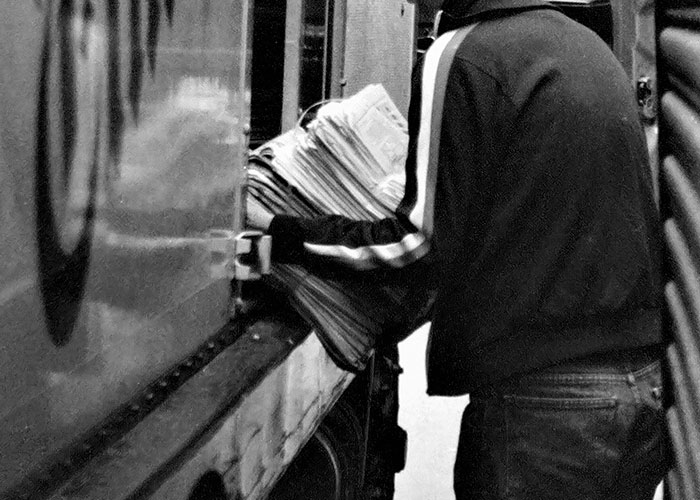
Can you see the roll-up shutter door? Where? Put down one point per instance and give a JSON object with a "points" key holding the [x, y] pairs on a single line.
{"points": [[679, 71]]}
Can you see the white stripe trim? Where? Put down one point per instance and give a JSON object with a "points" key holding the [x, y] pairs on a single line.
{"points": [[411, 248], [429, 77]]}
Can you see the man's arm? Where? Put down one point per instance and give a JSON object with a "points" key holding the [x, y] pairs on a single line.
{"points": [[397, 241]]}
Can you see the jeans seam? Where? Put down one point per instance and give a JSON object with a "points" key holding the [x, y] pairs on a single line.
{"points": [[561, 403], [582, 378], [506, 418]]}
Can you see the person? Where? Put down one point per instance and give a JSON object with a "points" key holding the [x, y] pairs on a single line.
{"points": [[540, 218]]}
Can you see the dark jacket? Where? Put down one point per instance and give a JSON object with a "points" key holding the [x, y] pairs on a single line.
{"points": [[539, 214]]}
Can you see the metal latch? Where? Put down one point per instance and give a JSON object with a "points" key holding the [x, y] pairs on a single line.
{"points": [[646, 97], [243, 256]]}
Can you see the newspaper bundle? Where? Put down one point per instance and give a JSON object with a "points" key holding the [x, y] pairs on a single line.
{"points": [[349, 161]]}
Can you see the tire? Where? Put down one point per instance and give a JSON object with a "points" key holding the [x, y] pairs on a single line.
{"points": [[329, 467]]}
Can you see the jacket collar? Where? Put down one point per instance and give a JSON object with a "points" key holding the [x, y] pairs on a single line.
{"points": [[458, 13]]}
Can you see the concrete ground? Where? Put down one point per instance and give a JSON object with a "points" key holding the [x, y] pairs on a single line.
{"points": [[432, 424]]}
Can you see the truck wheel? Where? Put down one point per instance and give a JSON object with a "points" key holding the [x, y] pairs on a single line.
{"points": [[209, 487], [329, 466]]}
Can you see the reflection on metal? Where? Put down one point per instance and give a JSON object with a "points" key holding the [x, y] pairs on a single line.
{"points": [[154, 14], [136, 56], [115, 111], [63, 265], [170, 10], [73, 48], [679, 49], [111, 177], [59, 467]]}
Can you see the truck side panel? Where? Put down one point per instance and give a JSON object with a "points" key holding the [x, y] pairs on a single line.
{"points": [[121, 145]]}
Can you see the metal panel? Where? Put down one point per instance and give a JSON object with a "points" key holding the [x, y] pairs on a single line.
{"points": [[633, 37], [122, 145], [682, 123], [684, 199], [260, 438], [333, 57], [686, 16], [379, 45], [687, 345], [682, 471], [292, 62], [683, 360], [679, 52], [683, 298], [337, 76], [246, 427], [674, 485]]}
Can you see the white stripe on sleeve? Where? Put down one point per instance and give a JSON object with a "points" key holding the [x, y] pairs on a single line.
{"points": [[429, 78], [411, 248], [415, 245]]}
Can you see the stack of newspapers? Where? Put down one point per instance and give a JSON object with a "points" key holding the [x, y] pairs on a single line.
{"points": [[348, 161]]}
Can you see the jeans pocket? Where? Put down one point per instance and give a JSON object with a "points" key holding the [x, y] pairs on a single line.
{"points": [[560, 447]]}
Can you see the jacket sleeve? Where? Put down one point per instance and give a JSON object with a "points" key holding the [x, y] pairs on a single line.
{"points": [[391, 242]]}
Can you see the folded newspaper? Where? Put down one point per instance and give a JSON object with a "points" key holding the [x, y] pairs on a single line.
{"points": [[348, 161]]}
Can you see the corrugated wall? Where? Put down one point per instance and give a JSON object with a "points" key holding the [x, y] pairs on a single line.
{"points": [[679, 64]]}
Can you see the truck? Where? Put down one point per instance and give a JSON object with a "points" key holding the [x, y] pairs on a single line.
{"points": [[133, 363], [139, 358]]}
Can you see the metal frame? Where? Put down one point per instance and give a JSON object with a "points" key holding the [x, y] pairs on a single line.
{"points": [[292, 63]]}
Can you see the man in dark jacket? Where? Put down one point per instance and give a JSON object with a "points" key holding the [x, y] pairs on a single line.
{"points": [[538, 210]]}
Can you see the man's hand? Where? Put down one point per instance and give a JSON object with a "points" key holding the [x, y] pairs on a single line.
{"points": [[257, 216]]}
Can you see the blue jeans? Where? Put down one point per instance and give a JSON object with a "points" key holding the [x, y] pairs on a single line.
{"points": [[589, 429]]}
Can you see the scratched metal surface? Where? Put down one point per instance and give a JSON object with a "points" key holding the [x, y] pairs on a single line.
{"points": [[121, 144], [379, 46]]}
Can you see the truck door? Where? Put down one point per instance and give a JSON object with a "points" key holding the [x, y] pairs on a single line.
{"points": [[679, 70]]}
